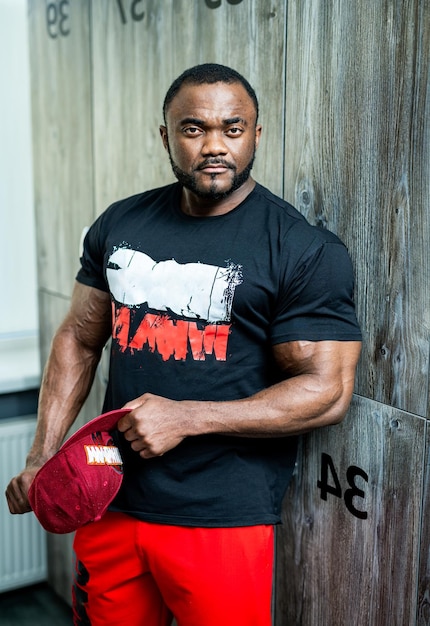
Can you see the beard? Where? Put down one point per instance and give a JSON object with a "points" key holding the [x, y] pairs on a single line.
{"points": [[212, 193]]}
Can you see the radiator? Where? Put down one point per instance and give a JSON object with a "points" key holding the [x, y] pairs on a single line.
{"points": [[23, 559]]}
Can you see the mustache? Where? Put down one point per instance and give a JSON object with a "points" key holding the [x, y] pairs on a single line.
{"points": [[215, 161]]}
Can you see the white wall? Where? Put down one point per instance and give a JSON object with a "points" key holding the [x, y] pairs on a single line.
{"points": [[17, 231], [19, 360]]}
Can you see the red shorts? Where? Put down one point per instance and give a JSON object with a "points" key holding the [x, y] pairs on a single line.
{"points": [[134, 573]]}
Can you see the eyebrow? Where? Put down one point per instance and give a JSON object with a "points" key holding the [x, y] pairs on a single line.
{"points": [[234, 120], [192, 120], [226, 122]]}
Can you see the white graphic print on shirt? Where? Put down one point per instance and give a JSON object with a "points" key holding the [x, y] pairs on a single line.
{"points": [[184, 291]]}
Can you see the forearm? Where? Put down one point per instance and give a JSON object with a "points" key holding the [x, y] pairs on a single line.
{"points": [[67, 380], [291, 407], [317, 390], [156, 425]]}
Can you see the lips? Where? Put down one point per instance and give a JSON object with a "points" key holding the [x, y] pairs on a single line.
{"points": [[214, 167]]}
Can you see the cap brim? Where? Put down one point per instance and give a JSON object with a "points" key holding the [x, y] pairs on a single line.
{"points": [[68, 491], [102, 423]]}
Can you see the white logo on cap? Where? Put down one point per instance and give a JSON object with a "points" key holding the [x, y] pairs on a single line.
{"points": [[103, 455]]}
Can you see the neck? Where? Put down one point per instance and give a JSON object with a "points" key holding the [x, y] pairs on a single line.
{"points": [[194, 205]]}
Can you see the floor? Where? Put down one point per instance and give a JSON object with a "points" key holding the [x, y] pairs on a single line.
{"points": [[34, 606]]}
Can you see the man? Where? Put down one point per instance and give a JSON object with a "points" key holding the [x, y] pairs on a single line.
{"points": [[233, 331]]}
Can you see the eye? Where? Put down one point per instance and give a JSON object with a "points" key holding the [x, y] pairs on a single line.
{"points": [[234, 131], [192, 131]]}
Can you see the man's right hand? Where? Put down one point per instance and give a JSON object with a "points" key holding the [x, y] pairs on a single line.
{"points": [[17, 491]]}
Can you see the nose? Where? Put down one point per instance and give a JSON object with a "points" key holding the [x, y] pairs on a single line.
{"points": [[213, 144]]}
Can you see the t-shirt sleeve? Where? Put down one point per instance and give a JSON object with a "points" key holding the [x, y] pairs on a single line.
{"points": [[91, 272], [318, 303]]}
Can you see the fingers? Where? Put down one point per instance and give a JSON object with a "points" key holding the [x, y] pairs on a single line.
{"points": [[146, 453], [151, 427], [142, 443], [127, 421], [150, 443], [16, 495], [124, 423]]}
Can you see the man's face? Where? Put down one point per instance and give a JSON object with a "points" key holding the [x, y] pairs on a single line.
{"points": [[211, 136]]}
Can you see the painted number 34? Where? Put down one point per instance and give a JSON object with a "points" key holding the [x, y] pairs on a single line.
{"points": [[329, 483]]}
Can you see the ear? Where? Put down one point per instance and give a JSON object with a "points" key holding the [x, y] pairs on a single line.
{"points": [[258, 130], [164, 138]]}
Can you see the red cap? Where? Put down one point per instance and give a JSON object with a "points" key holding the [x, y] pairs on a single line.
{"points": [[78, 483]]}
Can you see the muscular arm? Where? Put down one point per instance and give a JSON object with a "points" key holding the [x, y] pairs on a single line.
{"points": [[317, 390], [67, 380]]}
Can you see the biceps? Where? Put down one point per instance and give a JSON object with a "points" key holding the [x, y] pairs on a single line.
{"points": [[89, 317], [336, 360]]}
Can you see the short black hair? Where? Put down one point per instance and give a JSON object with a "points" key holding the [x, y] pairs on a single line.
{"points": [[208, 73]]}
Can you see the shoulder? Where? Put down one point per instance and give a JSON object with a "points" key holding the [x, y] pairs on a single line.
{"points": [[125, 213], [277, 204], [291, 223], [143, 199]]}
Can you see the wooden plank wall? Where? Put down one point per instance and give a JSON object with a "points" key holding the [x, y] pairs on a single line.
{"points": [[345, 107], [62, 130], [357, 161], [349, 548]]}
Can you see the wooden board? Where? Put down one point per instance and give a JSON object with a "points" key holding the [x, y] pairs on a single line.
{"points": [[423, 612], [357, 159], [62, 136], [136, 59], [348, 551]]}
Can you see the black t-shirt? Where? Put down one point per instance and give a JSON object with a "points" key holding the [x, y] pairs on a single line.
{"points": [[197, 305]]}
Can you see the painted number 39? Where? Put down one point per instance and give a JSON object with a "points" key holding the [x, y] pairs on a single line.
{"points": [[329, 483], [57, 18], [214, 4]]}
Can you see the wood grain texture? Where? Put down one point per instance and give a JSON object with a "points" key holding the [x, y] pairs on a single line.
{"points": [[337, 568], [62, 138], [135, 62], [423, 613], [357, 158]]}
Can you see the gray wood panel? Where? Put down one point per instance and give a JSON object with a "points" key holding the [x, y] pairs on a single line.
{"points": [[334, 567], [136, 60], [423, 613], [62, 135], [357, 158]]}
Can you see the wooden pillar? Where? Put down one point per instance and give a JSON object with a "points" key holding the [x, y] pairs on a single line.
{"points": [[354, 549], [62, 136]]}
